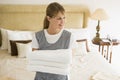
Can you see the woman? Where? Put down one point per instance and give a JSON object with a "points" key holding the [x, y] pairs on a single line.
{"points": [[52, 37]]}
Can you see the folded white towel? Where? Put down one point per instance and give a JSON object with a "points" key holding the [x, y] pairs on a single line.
{"points": [[48, 69], [61, 55], [48, 63], [105, 76]]}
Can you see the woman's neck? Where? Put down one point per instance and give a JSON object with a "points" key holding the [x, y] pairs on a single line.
{"points": [[53, 31]]}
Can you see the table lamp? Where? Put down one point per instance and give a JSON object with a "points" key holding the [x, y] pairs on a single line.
{"points": [[98, 15]]}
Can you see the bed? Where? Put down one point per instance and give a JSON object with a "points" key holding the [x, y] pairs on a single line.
{"points": [[19, 22]]}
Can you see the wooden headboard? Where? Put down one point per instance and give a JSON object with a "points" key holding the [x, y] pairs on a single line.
{"points": [[30, 17]]}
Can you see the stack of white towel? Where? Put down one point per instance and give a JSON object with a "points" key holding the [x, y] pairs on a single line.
{"points": [[50, 61]]}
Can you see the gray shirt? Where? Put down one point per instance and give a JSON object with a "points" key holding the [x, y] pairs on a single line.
{"points": [[62, 43]]}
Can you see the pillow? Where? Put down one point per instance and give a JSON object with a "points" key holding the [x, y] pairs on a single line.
{"points": [[80, 34], [23, 49], [18, 35], [4, 37], [82, 48], [14, 50]]}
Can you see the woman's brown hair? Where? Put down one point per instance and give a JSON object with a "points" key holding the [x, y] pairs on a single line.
{"points": [[52, 10]]}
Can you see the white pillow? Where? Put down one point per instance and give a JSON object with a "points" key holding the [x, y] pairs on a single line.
{"points": [[81, 50], [23, 49], [80, 34], [18, 35], [4, 38]]}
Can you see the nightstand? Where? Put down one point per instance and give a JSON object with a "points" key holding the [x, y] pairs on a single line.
{"points": [[105, 47]]}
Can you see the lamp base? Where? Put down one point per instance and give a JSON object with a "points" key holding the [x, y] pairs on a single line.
{"points": [[96, 40]]}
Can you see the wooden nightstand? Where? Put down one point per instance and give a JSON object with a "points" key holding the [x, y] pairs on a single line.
{"points": [[105, 47]]}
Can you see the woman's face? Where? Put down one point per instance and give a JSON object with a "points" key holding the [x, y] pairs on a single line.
{"points": [[57, 22]]}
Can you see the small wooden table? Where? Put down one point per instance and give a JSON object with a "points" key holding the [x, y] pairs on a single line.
{"points": [[107, 53]]}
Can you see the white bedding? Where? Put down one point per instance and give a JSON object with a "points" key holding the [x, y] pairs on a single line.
{"points": [[14, 67], [83, 68], [105, 76], [89, 65]]}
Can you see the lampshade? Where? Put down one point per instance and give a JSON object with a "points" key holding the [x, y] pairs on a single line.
{"points": [[99, 14]]}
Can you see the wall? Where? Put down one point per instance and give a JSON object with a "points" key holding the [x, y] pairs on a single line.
{"points": [[110, 26]]}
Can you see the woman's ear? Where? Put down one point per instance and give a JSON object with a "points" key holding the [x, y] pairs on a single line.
{"points": [[48, 18]]}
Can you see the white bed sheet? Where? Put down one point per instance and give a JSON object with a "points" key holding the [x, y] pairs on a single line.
{"points": [[14, 67], [83, 68], [89, 65]]}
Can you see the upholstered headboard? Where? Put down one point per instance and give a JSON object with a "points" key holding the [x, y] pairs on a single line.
{"points": [[30, 17]]}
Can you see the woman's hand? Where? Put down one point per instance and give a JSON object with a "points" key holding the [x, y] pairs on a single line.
{"points": [[33, 49]]}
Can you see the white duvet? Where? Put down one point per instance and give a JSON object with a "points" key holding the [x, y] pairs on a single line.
{"points": [[87, 66], [105, 76], [14, 67]]}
